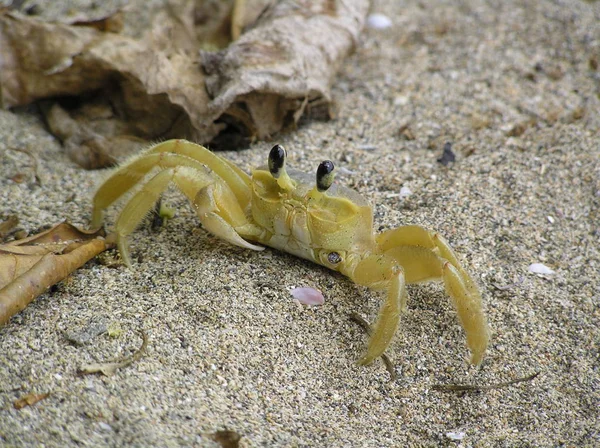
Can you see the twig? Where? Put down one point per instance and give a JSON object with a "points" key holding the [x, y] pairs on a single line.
{"points": [[110, 368], [365, 326], [474, 387]]}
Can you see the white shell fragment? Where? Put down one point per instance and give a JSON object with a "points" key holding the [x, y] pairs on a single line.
{"points": [[405, 192], [539, 268], [378, 21], [455, 435], [308, 296]]}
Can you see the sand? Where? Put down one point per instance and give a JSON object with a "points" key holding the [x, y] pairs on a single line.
{"points": [[515, 88]]}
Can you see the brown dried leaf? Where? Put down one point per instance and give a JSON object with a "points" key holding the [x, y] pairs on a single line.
{"points": [[29, 400], [30, 266], [227, 438], [288, 56], [8, 225], [152, 86]]}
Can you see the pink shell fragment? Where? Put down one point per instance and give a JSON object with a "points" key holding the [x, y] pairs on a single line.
{"points": [[308, 296]]}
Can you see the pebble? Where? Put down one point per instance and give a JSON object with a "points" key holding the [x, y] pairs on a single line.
{"points": [[378, 21], [308, 296], [539, 268]]}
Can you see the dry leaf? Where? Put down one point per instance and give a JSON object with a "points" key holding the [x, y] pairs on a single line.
{"points": [[30, 266], [110, 368], [227, 438], [29, 400], [289, 56], [8, 225], [125, 88]]}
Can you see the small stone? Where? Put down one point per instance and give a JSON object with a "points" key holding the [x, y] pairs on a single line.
{"points": [[308, 296], [539, 268], [455, 435], [405, 192], [378, 21]]}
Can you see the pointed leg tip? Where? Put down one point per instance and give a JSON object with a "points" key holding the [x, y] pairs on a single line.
{"points": [[476, 358], [96, 221], [365, 360]]}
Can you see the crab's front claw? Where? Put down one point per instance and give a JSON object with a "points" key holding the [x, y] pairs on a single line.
{"points": [[221, 215]]}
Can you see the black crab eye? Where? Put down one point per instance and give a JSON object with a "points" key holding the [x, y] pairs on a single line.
{"points": [[334, 258], [276, 160], [325, 176]]}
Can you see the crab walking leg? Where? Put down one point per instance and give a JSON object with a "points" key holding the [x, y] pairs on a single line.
{"points": [[130, 174], [419, 236], [379, 271], [238, 181], [388, 319], [468, 306], [192, 183], [137, 208], [421, 264], [171, 153]]}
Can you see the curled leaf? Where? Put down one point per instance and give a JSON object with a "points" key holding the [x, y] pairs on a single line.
{"points": [[30, 266], [126, 88], [8, 225]]}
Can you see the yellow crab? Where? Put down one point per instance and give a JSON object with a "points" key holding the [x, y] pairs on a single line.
{"points": [[286, 209]]}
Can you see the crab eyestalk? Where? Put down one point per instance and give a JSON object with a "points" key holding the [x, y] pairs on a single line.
{"points": [[325, 177], [277, 158]]}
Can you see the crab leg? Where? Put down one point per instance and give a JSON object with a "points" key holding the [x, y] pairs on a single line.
{"points": [[169, 154], [123, 180], [194, 184], [388, 319], [379, 271], [418, 236], [425, 256]]}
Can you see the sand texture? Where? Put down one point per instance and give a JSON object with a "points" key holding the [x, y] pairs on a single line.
{"points": [[515, 88]]}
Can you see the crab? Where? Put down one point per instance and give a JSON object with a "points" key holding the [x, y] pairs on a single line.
{"points": [[305, 215]]}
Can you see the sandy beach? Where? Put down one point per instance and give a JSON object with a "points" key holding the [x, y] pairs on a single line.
{"points": [[514, 87]]}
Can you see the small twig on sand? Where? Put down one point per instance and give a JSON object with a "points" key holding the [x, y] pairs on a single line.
{"points": [[474, 387]]}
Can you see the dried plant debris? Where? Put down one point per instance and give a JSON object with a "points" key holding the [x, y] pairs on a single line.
{"points": [[115, 89], [283, 62], [29, 400], [227, 438], [31, 265], [110, 368], [474, 387], [8, 226]]}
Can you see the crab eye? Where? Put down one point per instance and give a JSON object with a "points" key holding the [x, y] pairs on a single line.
{"points": [[276, 160], [325, 176], [334, 258]]}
